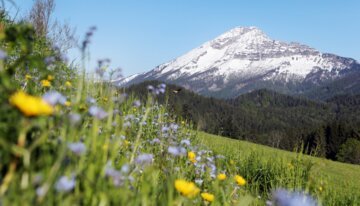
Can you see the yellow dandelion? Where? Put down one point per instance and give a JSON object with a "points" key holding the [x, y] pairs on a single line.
{"points": [[105, 146], [240, 180], [28, 77], [221, 176], [207, 196], [50, 77], [67, 103], [68, 84], [45, 83], [30, 105], [192, 156], [187, 189]]}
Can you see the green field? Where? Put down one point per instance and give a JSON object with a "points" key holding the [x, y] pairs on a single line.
{"points": [[336, 175]]}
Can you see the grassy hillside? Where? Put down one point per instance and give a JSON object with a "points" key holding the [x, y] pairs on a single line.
{"points": [[339, 176], [273, 119]]}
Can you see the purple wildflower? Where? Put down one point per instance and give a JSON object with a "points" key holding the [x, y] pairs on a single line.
{"points": [[77, 147], [176, 151], [144, 159], [74, 118], [97, 112], [65, 184], [136, 103], [283, 197], [3, 54], [54, 97]]}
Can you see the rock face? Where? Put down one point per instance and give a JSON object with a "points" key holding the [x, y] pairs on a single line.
{"points": [[245, 59]]}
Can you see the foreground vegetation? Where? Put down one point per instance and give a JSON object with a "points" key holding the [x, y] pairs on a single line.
{"points": [[66, 139]]}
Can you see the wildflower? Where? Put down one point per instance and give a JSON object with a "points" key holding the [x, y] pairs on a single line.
{"points": [[207, 196], [221, 176], [90, 100], [77, 147], [174, 127], [3, 54], [192, 156], [125, 168], [185, 142], [144, 159], [45, 83], [65, 184], [127, 124], [30, 105], [176, 151], [67, 103], [68, 84], [40, 191], [199, 181], [97, 112], [74, 118], [282, 197], [50, 77], [188, 189], [150, 88], [155, 141], [162, 86], [49, 60], [240, 180], [136, 103], [54, 97], [28, 77]]}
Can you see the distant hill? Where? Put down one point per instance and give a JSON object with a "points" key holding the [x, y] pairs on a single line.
{"points": [[268, 117]]}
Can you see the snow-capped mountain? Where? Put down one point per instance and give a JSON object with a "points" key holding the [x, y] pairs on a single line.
{"points": [[244, 59]]}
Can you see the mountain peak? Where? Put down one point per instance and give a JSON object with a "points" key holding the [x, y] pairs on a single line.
{"points": [[240, 35], [245, 58]]}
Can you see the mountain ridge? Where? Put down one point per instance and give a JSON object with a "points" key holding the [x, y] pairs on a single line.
{"points": [[245, 59]]}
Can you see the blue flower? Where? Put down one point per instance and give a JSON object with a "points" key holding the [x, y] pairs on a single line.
{"points": [[144, 159], [97, 112], [185, 142], [54, 97], [283, 197], [136, 103], [90, 100], [65, 184], [176, 151], [74, 118], [77, 147], [3, 54]]}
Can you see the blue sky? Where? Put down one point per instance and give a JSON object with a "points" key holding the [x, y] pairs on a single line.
{"points": [[139, 35]]}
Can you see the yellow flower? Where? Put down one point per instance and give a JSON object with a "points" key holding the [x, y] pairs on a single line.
{"points": [[68, 84], [320, 189], [207, 196], [105, 99], [45, 83], [67, 103], [188, 189], [240, 180], [30, 105], [50, 77], [28, 77], [192, 156], [221, 176]]}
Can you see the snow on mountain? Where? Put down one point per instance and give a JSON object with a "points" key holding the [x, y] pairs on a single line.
{"points": [[244, 59]]}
